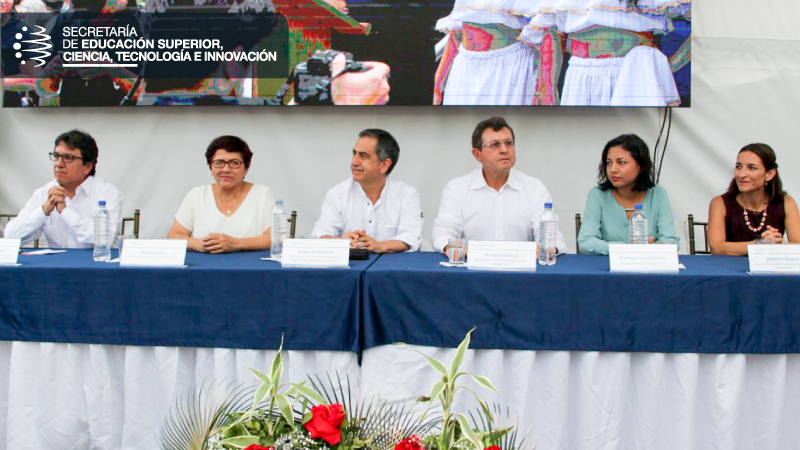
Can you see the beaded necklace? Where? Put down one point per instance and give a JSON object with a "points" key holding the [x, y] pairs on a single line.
{"points": [[747, 221]]}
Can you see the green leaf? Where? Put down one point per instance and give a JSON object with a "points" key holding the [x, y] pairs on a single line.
{"points": [[260, 376], [306, 417], [309, 393], [467, 432], [240, 441], [437, 390], [261, 393], [462, 348], [286, 409], [485, 382], [277, 364], [435, 363]]}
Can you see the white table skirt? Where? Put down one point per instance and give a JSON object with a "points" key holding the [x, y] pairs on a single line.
{"points": [[77, 396]]}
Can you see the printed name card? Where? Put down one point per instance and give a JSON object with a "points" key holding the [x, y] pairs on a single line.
{"points": [[501, 255], [154, 253], [643, 258], [774, 258], [9, 251], [316, 253]]}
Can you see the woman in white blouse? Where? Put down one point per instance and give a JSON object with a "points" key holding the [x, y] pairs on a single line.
{"points": [[230, 215]]}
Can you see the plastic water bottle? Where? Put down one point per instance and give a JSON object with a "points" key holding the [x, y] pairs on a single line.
{"points": [[102, 233], [638, 226], [548, 226], [279, 225]]}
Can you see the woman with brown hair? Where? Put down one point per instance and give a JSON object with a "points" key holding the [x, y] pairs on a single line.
{"points": [[755, 208]]}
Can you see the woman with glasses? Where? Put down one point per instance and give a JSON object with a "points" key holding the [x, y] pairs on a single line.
{"points": [[755, 208], [230, 215], [625, 178]]}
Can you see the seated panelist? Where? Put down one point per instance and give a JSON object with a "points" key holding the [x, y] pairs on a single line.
{"points": [[625, 177], [230, 215], [374, 211], [63, 209], [494, 202], [755, 208]]}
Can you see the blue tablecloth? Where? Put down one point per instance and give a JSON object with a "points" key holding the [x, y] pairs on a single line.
{"points": [[713, 306], [239, 301], [231, 300]]}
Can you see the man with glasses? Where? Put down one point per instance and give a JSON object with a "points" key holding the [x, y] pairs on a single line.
{"points": [[375, 212], [494, 202], [63, 209]]}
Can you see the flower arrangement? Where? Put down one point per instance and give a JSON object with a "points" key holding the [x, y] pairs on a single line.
{"points": [[330, 415]]}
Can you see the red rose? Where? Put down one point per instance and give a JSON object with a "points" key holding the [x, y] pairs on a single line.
{"points": [[494, 447], [411, 443], [325, 422], [258, 447]]}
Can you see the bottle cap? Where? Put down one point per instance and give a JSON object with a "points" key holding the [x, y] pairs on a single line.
{"points": [[548, 205], [637, 206], [101, 203]]}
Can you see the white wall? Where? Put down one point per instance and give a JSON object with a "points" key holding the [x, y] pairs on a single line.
{"points": [[745, 88]]}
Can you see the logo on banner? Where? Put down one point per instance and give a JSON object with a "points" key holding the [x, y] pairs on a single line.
{"points": [[42, 42]]}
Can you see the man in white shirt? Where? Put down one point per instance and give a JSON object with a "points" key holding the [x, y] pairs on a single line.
{"points": [[375, 212], [494, 202], [63, 209]]}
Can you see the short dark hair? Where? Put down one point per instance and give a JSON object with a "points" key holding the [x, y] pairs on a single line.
{"points": [[386, 147], [495, 123], [640, 152], [767, 155], [231, 144], [83, 141]]}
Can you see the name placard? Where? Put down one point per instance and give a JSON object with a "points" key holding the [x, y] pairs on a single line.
{"points": [[9, 251], [316, 253], [775, 258], [501, 255], [643, 258], [153, 253]]}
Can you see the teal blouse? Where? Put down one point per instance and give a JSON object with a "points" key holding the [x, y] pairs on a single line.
{"points": [[606, 222]]}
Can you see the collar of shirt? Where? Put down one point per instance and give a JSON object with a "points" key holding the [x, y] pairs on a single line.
{"points": [[363, 195], [85, 188], [479, 182]]}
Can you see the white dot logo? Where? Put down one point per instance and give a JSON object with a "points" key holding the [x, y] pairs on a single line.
{"points": [[41, 45]]}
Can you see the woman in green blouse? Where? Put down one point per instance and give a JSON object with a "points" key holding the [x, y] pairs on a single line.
{"points": [[625, 178]]}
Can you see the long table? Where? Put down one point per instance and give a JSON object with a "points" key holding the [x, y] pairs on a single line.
{"points": [[712, 306], [239, 301], [230, 301], [586, 358]]}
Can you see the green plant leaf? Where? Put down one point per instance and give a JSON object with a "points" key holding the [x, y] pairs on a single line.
{"points": [[437, 390], [240, 441], [309, 393], [277, 364], [485, 382], [462, 349], [467, 432], [260, 376], [286, 409], [306, 418], [261, 393], [435, 363]]}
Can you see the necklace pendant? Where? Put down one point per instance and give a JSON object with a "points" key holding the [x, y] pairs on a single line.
{"points": [[229, 211]]}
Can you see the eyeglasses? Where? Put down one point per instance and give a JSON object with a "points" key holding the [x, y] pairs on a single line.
{"points": [[495, 145], [233, 164], [66, 158]]}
